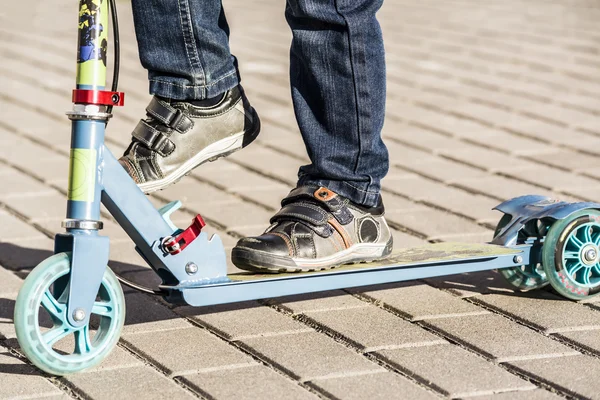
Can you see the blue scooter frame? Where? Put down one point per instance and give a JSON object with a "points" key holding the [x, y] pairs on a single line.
{"points": [[207, 283]]}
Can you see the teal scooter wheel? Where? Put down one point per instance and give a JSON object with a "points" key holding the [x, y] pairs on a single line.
{"points": [[571, 255], [45, 335], [523, 277]]}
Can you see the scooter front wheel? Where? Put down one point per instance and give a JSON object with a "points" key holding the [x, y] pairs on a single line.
{"points": [[41, 324]]}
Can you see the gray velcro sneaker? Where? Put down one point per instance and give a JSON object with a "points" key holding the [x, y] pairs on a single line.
{"points": [[178, 136], [316, 229]]}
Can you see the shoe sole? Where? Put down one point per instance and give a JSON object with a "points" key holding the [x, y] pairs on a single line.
{"points": [[259, 261], [212, 152]]}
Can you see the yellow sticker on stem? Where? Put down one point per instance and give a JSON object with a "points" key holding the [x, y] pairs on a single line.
{"points": [[82, 175], [93, 42]]}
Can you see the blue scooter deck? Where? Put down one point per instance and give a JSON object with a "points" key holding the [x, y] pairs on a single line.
{"points": [[429, 254], [403, 265]]}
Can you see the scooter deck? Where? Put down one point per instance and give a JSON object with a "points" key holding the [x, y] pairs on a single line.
{"points": [[429, 254], [403, 265]]}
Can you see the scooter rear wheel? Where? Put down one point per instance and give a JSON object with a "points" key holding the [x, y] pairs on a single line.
{"points": [[571, 255], [43, 331], [523, 277]]}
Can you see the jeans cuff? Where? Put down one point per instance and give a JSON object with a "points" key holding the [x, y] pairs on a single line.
{"points": [[178, 89], [360, 193]]}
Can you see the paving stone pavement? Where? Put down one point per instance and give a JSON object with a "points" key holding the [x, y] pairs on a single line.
{"points": [[486, 100]]}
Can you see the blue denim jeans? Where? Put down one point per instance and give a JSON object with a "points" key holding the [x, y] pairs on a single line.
{"points": [[337, 74]]}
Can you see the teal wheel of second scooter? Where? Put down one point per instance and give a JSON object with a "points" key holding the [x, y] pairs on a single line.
{"points": [[571, 255], [523, 277], [45, 335]]}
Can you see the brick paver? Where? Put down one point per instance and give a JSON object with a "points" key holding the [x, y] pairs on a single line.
{"points": [[558, 314], [574, 374], [486, 100], [378, 329], [417, 301], [253, 382], [588, 340], [202, 350], [498, 338], [20, 380], [536, 394], [320, 356], [454, 371], [380, 385], [132, 383], [244, 320]]}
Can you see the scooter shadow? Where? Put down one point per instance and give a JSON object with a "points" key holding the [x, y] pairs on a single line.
{"points": [[142, 308], [10, 363]]}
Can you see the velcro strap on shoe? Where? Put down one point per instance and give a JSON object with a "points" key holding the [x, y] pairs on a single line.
{"points": [[308, 214], [335, 204], [305, 212], [153, 139], [168, 115]]}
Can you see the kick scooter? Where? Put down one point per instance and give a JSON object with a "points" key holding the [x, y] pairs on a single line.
{"points": [[73, 295]]}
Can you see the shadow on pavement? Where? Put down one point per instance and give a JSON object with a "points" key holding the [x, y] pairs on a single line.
{"points": [[19, 368], [7, 307], [143, 308], [17, 258]]}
